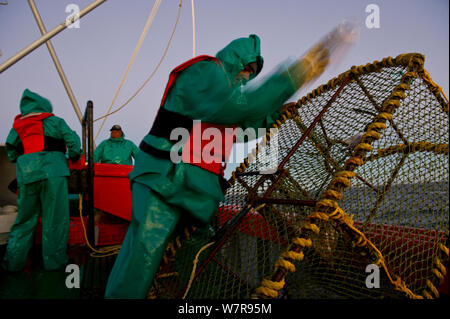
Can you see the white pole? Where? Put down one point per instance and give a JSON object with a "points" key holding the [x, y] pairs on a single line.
{"points": [[56, 60], [47, 36], [136, 50]]}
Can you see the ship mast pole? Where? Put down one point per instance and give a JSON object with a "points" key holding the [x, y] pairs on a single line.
{"points": [[56, 61]]}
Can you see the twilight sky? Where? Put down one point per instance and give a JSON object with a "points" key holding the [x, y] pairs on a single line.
{"points": [[95, 55]]}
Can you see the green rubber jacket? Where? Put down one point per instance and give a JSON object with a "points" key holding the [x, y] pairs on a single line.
{"points": [[207, 91], [38, 166], [116, 151]]}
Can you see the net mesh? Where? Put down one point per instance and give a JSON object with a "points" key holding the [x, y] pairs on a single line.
{"points": [[361, 178]]}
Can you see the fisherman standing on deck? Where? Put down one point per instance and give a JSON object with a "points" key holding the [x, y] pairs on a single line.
{"points": [[116, 149], [37, 143], [212, 90]]}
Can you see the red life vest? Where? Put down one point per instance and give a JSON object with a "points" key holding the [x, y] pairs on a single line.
{"points": [[209, 144], [31, 132]]}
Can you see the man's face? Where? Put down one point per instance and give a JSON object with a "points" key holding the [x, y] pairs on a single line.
{"points": [[116, 133], [245, 74]]}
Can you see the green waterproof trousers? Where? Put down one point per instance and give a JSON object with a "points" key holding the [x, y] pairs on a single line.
{"points": [[144, 245], [49, 199]]}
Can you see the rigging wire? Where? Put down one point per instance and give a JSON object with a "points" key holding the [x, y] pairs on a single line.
{"points": [[133, 57], [193, 29], [154, 71]]}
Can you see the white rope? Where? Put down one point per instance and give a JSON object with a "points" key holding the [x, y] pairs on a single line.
{"points": [[193, 29], [154, 71], [141, 40]]}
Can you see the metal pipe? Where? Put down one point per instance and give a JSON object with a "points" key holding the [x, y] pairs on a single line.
{"points": [[47, 36], [313, 124], [56, 60], [285, 201], [303, 137], [90, 172]]}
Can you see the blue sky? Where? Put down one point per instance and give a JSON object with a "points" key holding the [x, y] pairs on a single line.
{"points": [[95, 56]]}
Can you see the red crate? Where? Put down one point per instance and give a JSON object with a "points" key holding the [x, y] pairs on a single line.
{"points": [[112, 234], [76, 233], [112, 192], [108, 234]]}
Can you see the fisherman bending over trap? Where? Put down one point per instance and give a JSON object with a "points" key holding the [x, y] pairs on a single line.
{"points": [[218, 93]]}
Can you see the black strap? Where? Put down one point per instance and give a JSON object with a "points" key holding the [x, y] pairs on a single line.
{"points": [[153, 151], [223, 183], [19, 148], [51, 144], [166, 121]]}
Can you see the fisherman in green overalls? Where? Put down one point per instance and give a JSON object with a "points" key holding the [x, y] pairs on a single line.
{"points": [[213, 90], [37, 144]]}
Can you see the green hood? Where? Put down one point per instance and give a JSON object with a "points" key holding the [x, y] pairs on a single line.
{"points": [[34, 103], [240, 52]]}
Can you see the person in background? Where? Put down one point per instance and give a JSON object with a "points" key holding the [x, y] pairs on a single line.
{"points": [[37, 144], [116, 149]]}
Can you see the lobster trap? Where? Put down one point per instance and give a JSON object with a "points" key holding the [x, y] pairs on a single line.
{"points": [[361, 182]]}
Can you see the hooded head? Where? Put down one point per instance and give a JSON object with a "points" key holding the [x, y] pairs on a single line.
{"points": [[239, 53], [34, 103]]}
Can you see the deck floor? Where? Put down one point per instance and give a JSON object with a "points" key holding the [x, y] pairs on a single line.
{"points": [[37, 283]]}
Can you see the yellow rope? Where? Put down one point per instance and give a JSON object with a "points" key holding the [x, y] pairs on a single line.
{"points": [[372, 134], [432, 288], [413, 147], [436, 88], [363, 146], [266, 292], [154, 71], [293, 255], [427, 295], [312, 227], [302, 242], [362, 241], [194, 268], [285, 264], [270, 288], [165, 275], [440, 266], [328, 200], [354, 161], [401, 286], [384, 116], [414, 63], [443, 248], [319, 215], [102, 252], [133, 57], [333, 194], [276, 285], [438, 274]]}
